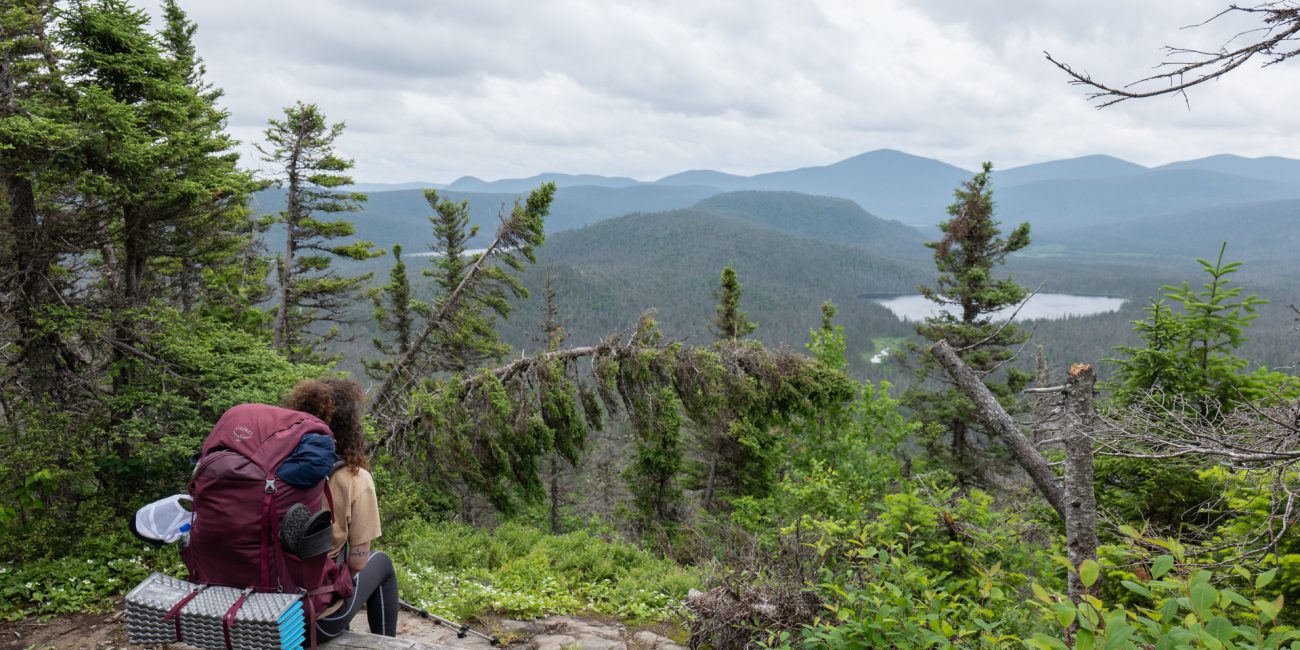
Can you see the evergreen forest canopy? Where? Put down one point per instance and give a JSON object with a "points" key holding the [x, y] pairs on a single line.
{"points": [[526, 395]]}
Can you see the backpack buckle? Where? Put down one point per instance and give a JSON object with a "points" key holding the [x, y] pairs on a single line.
{"points": [[270, 486]]}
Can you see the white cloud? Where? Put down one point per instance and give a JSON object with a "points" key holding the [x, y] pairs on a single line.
{"points": [[433, 91]]}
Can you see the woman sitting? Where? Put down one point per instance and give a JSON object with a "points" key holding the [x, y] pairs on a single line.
{"points": [[338, 402]]}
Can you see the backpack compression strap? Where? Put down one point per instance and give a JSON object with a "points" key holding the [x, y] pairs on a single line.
{"points": [[311, 609], [270, 530], [228, 621], [175, 611]]}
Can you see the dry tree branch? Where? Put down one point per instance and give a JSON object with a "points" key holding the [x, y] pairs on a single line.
{"points": [[1281, 27], [1010, 319], [1165, 426]]}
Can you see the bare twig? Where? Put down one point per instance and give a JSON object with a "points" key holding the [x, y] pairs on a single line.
{"points": [[1281, 28]]}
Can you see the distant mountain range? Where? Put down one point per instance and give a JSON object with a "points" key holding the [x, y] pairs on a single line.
{"points": [[1055, 196], [619, 250], [888, 201]]}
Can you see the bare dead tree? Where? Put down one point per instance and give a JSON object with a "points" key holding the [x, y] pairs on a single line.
{"points": [[1274, 41], [1073, 497], [1260, 441]]}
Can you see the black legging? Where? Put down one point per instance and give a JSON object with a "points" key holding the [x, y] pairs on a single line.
{"points": [[376, 587]]}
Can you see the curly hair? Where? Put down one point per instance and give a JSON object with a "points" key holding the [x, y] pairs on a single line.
{"points": [[337, 402]]}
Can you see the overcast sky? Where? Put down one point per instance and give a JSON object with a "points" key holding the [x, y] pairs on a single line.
{"points": [[434, 90]]}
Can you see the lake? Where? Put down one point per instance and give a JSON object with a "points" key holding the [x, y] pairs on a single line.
{"points": [[1048, 306]]}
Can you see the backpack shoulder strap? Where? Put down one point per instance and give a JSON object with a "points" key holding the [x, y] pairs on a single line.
{"points": [[338, 465]]}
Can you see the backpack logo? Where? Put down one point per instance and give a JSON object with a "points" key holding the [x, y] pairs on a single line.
{"points": [[243, 433]]}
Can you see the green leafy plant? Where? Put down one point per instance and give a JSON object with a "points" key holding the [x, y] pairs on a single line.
{"points": [[102, 568], [1180, 605], [890, 598]]}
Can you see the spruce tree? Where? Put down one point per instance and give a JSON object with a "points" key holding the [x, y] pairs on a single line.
{"points": [[470, 336], [35, 127], [158, 187], [395, 313], [213, 256], [157, 159], [966, 257], [473, 288], [1186, 364], [1188, 357], [314, 299], [736, 449], [115, 171], [551, 339], [731, 324]]}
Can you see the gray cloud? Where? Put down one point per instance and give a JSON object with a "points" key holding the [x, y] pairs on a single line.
{"points": [[494, 88]]}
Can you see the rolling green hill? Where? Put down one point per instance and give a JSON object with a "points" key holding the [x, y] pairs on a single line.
{"points": [[828, 219]]}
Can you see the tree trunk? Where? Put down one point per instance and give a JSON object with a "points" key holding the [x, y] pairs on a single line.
{"points": [[281, 337], [30, 266], [1080, 495], [555, 495], [135, 257], [999, 422], [707, 501], [1076, 502]]}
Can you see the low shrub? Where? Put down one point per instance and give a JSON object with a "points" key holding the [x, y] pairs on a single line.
{"points": [[459, 571]]}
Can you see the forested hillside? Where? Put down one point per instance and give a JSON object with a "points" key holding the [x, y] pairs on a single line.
{"points": [[835, 221], [609, 273], [1263, 232]]}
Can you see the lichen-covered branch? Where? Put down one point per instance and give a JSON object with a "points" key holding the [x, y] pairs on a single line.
{"points": [[488, 431]]}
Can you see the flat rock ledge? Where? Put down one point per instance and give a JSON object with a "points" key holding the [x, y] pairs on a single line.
{"points": [[551, 633]]}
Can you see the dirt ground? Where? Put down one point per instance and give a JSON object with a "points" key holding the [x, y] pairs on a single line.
{"points": [[108, 632], [89, 631]]}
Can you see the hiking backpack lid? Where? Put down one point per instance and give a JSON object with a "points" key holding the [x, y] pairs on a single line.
{"points": [[262, 433]]}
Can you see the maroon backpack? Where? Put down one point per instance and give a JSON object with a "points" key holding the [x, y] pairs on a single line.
{"points": [[239, 504]]}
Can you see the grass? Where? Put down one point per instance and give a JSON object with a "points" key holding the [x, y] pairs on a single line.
{"points": [[452, 570], [461, 572]]}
